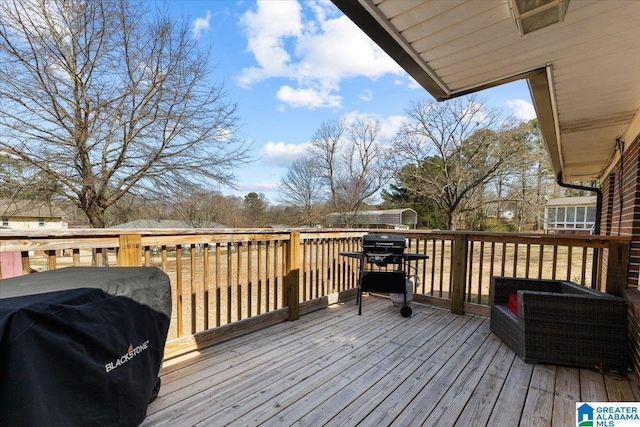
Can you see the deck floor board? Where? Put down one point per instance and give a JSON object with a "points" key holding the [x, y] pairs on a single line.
{"points": [[333, 367]]}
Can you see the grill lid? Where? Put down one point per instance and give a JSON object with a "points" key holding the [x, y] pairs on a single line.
{"points": [[383, 249], [383, 243]]}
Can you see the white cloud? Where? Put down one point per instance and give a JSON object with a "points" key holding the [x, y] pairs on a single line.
{"points": [[389, 126], [201, 24], [521, 109], [341, 50], [281, 154], [316, 50], [308, 98], [258, 186], [268, 29]]}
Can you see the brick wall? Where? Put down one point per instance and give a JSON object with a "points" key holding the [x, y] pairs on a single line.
{"points": [[621, 216], [607, 204], [621, 205]]}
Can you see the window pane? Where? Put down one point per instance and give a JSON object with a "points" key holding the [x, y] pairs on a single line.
{"points": [[560, 215], [580, 214], [551, 214], [591, 214], [551, 217], [571, 214]]}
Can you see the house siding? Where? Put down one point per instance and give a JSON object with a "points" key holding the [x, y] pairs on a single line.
{"points": [[23, 223], [30, 214]]}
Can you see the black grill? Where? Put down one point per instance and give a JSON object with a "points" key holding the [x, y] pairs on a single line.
{"points": [[383, 249]]}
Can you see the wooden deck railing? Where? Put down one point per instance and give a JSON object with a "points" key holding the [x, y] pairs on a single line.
{"points": [[461, 264], [225, 282]]}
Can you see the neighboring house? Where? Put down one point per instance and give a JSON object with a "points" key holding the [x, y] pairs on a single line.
{"points": [[395, 219], [576, 215], [31, 215], [508, 215]]}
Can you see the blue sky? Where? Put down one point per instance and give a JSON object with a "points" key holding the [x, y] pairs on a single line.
{"points": [[290, 65]]}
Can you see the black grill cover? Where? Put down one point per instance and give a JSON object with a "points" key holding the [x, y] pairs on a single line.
{"points": [[81, 346]]}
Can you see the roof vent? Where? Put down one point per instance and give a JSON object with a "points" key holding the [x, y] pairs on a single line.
{"points": [[531, 15]]}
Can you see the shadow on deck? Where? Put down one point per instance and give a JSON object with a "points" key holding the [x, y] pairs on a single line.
{"points": [[333, 367]]}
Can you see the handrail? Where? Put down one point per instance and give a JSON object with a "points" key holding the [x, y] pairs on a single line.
{"points": [[224, 278]]}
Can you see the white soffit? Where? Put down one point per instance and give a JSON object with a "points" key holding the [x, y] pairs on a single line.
{"points": [[454, 47]]}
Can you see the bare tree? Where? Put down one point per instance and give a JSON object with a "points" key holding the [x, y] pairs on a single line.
{"points": [[448, 152], [303, 189], [529, 178], [106, 98], [350, 158], [205, 209]]}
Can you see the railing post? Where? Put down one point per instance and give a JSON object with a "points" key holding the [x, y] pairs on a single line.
{"points": [[458, 273], [26, 266], [292, 276], [617, 264], [130, 250]]}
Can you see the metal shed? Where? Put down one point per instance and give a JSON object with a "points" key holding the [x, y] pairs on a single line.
{"points": [[398, 219]]}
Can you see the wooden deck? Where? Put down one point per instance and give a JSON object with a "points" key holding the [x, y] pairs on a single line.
{"points": [[333, 367]]}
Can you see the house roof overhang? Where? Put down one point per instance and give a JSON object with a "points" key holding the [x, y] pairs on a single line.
{"points": [[583, 73]]}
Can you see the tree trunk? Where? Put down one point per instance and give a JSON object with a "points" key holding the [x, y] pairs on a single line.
{"points": [[93, 208], [451, 220], [97, 219]]}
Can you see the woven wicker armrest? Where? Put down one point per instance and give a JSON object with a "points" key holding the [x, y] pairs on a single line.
{"points": [[552, 309], [572, 288], [501, 287]]}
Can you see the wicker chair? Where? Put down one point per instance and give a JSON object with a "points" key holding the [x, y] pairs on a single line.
{"points": [[561, 323]]}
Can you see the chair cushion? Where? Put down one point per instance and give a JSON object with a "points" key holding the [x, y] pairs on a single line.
{"points": [[512, 303]]}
